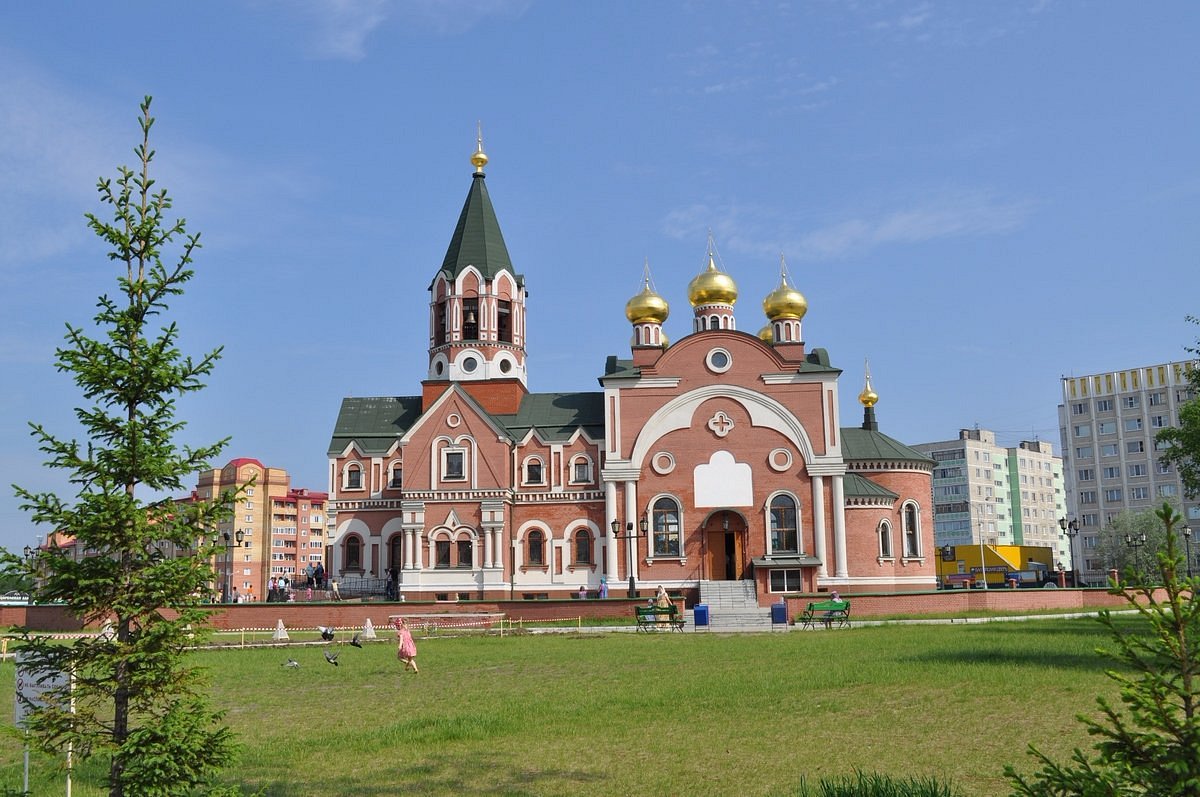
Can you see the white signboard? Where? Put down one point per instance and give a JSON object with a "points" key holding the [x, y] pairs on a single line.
{"points": [[31, 683]]}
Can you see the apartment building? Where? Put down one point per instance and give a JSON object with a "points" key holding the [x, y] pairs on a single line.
{"points": [[984, 492], [1108, 422], [276, 530]]}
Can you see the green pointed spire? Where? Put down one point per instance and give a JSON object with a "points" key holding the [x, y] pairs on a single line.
{"points": [[477, 240]]}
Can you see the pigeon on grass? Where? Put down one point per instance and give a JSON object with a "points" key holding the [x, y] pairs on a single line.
{"points": [[326, 633], [331, 657]]}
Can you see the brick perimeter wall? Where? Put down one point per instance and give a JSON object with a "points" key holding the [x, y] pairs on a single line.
{"points": [[349, 614]]}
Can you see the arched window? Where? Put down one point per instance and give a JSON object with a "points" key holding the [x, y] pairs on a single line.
{"points": [[885, 540], [470, 325], [666, 527], [439, 324], [581, 470], [353, 553], [912, 530], [533, 471], [536, 543], [504, 321], [396, 479], [353, 480], [441, 553], [465, 553], [583, 547], [784, 538]]}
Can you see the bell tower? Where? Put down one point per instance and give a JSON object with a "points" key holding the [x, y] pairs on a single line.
{"points": [[477, 300]]}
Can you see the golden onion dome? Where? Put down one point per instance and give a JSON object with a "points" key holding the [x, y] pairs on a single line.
{"points": [[868, 397], [665, 342], [785, 302], [647, 307], [712, 286], [767, 334]]}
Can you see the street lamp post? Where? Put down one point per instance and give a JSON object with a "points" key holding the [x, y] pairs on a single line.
{"points": [[630, 534], [237, 536], [1136, 541], [1187, 546], [1071, 529]]}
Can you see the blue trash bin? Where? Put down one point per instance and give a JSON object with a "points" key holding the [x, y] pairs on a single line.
{"points": [[779, 614], [700, 615]]}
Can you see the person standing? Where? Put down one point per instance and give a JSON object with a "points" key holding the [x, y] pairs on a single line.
{"points": [[333, 588], [603, 587], [406, 648], [662, 601]]}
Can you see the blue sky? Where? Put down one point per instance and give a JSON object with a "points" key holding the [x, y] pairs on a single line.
{"points": [[979, 197]]}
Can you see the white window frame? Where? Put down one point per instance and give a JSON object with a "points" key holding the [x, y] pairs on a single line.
{"points": [[915, 552], [349, 468], [533, 459], [447, 452], [576, 462], [885, 548]]}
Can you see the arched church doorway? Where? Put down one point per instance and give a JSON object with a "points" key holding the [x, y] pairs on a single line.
{"points": [[396, 552], [725, 542]]}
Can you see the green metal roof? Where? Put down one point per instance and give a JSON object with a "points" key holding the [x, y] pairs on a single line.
{"points": [[477, 240], [859, 487], [776, 562], [374, 423], [863, 444], [614, 366], [557, 416]]}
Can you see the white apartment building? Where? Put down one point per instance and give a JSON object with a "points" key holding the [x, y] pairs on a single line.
{"points": [[1004, 496], [1108, 422]]}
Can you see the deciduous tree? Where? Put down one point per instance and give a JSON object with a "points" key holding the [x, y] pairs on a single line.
{"points": [[1183, 441]]}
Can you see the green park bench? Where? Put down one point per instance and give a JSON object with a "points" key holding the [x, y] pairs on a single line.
{"points": [[655, 618], [827, 612]]}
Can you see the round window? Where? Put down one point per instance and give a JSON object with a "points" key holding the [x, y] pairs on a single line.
{"points": [[718, 361], [469, 364], [505, 366], [437, 368]]}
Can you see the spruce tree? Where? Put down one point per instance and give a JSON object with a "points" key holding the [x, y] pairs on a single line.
{"points": [[141, 566], [1152, 748]]}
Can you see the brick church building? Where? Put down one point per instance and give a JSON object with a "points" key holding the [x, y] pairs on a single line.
{"points": [[719, 457]]}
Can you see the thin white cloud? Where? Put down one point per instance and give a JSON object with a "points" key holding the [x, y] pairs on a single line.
{"points": [[458, 16], [726, 86], [340, 27], [48, 169], [765, 231], [940, 217]]}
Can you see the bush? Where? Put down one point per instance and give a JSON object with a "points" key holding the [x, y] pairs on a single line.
{"points": [[863, 784]]}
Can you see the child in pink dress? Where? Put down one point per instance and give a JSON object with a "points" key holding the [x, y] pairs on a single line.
{"points": [[406, 648]]}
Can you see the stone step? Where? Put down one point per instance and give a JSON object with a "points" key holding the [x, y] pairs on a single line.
{"points": [[735, 620]]}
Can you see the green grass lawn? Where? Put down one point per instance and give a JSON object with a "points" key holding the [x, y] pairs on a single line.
{"points": [[657, 714]]}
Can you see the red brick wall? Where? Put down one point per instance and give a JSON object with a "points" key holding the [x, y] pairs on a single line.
{"points": [[353, 615]]}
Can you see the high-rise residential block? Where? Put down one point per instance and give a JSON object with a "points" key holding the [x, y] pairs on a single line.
{"points": [[998, 495], [1108, 422], [275, 530]]}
